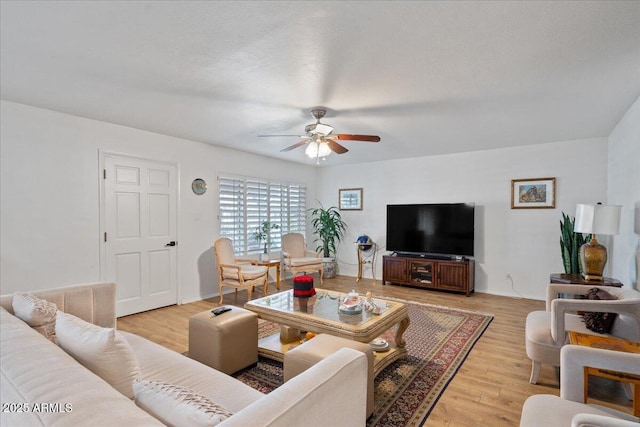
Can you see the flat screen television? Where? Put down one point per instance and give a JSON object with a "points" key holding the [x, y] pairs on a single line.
{"points": [[431, 229]]}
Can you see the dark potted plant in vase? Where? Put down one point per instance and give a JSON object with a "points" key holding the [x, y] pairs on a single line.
{"points": [[329, 227], [570, 243], [263, 234]]}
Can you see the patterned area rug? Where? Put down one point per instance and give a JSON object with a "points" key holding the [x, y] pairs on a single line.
{"points": [[438, 342]]}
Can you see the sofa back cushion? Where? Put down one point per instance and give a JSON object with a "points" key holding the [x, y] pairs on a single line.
{"points": [[93, 302], [101, 350], [36, 312], [176, 405], [37, 375]]}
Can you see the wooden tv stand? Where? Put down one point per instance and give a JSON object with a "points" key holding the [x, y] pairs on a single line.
{"points": [[429, 273]]}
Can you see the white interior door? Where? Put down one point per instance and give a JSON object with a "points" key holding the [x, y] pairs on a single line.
{"points": [[140, 223]]}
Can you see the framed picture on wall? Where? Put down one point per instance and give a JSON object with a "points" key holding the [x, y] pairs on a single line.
{"points": [[350, 199], [533, 193]]}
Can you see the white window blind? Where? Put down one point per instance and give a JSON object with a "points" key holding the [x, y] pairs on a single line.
{"points": [[232, 212], [257, 211], [244, 203], [278, 207], [297, 209]]}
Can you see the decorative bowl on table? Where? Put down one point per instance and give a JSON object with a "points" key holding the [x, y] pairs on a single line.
{"points": [[379, 344], [351, 304]]}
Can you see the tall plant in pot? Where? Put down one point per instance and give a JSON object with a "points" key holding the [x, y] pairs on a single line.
{"points": [[329, 227], [570, 243]]}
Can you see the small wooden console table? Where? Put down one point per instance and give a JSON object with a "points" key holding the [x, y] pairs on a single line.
{"points": [[429, 273], [579, 280]]}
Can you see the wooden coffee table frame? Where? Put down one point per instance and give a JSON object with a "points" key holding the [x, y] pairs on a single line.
{"points": [[397, 313]]}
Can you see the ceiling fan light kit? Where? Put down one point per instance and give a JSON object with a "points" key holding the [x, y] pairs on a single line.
{"points": [[317, 149], [320, 139]]}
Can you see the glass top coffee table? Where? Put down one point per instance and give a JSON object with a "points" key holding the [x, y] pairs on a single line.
{"points": [[321, 314]]}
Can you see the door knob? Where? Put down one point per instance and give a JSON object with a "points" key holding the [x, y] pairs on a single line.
{"points": [[170, 244]]}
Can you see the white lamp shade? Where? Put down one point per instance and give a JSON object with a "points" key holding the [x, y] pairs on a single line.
{"points": [[597, 219]]}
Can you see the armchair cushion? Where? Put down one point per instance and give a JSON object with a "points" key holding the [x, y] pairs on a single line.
{"points": [[300, 262], [596, 321], [248, 272]]}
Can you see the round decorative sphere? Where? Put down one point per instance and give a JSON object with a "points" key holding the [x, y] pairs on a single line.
{"points": [[364, 242]]}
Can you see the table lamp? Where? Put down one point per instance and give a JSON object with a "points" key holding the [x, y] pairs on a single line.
{"points": [[596, 219]]}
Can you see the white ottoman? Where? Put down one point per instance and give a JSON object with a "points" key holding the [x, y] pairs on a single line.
{"points": [[228, 342], [304, 356]]}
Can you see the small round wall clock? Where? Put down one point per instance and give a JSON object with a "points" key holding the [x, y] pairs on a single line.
{"points": [[199, 186]]}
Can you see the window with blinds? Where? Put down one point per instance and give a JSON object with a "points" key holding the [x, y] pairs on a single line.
{"points": [[244, 203]]}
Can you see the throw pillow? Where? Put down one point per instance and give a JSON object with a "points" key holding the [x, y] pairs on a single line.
{"points": [[103, 351], [38, 313], [595, 321], [177, 406]]}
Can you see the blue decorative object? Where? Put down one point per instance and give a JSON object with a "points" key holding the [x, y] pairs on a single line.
{"points": [[364, 242]]}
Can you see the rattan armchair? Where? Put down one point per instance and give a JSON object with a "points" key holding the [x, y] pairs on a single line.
{"points": [[237, 273], [296, 258]]}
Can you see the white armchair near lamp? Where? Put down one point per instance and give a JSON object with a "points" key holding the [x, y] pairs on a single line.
{"points": [[546, 331], [569, 409]]}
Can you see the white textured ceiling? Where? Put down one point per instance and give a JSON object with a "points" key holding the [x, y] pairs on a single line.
{"points": [[428, 77]]}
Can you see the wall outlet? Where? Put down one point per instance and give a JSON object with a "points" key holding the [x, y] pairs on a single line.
{"points": [[507, 276]]}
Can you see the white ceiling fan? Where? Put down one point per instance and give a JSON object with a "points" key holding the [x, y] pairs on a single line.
{"points": [[320, 139]]}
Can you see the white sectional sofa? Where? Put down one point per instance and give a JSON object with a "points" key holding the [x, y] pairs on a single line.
{"points": [[43, 385]]}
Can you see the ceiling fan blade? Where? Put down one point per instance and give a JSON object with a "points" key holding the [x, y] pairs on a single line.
{"points": [[335, 147], [296, 145], [366, 138], [297, 136]]}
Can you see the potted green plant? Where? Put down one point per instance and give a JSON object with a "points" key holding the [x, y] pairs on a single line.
{"points": [[262, 234], [570, 243], [329, 227]]}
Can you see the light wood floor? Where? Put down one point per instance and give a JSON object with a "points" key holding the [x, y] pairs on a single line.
{"points": [[490, 387]]}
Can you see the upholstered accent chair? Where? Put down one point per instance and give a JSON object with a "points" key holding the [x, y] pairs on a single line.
{"points": [[237, 273], [546, 331], [569, 409], [296, 258]]}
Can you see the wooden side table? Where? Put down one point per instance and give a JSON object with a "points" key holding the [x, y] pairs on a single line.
{"points": [[609, 343], [579, 280], [271, 263]]}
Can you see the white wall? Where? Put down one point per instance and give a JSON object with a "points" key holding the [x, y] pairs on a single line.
{"points": [[49, 199], [523, 243], [49, 196], [624, 189]]}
